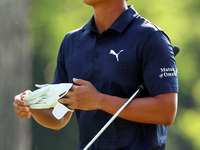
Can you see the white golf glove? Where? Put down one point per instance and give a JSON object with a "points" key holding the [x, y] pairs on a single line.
{"points": [[47, 96]]}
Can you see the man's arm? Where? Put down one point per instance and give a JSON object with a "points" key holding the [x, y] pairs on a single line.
{"points": [[42, 116], [46, 119], [160, 109]]}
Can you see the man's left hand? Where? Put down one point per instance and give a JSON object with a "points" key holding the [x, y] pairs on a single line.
{"points": [[83, 96]]}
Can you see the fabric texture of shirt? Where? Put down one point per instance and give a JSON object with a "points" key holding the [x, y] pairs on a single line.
{"points": [[130, 52]]}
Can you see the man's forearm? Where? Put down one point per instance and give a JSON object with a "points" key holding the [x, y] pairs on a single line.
{"points": [[46, 119], [154, 110]]}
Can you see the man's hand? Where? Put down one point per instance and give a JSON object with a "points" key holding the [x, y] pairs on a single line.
{"points": [[20, 107], [83, 96]]}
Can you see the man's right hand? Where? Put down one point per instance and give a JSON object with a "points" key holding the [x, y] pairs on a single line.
{"points": [[21, 108]]}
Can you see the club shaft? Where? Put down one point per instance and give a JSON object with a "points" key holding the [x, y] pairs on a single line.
{"points": [[113, 118]]}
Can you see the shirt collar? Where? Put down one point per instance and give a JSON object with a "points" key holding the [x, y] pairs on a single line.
{"points": [[124, 19], [89, 25], [120, 24]]}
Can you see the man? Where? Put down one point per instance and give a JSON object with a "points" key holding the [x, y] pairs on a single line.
{"points": [[107, 59]]}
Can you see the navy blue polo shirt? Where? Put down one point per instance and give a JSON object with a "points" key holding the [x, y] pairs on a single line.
{"points": [[131, 51]]}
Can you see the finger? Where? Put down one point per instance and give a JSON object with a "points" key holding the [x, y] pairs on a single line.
{"points": [[23, 112], [70, 94], [70, 106], [18, 97], [73, 88], [19, 108], [26, 92], [80, 81], [66, 101], [24, 115], [18, 101]]}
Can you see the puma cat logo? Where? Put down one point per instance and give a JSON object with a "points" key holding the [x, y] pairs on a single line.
{"points": [[112, 52]]}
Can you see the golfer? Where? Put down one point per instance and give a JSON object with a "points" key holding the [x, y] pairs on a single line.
{"points": [[107, 59]]}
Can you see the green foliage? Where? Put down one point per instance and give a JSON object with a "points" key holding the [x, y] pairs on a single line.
{"points": [[51, 20], [189, 123]]}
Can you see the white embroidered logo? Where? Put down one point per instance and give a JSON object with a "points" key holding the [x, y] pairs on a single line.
{"points": [[112, 52], [168, 72]]}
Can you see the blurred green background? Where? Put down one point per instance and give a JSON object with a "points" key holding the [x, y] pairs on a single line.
{"points": [[40, 26]]}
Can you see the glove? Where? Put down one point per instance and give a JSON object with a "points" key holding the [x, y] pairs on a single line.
{"points": [[47, 96]]}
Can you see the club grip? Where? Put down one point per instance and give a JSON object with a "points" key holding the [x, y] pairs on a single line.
{"points": [[176, 50]]}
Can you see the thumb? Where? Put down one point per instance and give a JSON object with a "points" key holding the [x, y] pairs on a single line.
{"points": [[79, 81]]}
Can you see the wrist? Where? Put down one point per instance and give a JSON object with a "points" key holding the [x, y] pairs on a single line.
{"points": [[100, 99]]}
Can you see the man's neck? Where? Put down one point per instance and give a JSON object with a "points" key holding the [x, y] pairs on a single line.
{"points": [[106, 14]]}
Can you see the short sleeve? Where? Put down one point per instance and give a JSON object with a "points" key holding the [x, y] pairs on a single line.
{"points": [[159, 65], [60, 75]]}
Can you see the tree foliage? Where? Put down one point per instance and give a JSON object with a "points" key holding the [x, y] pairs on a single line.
{"points": [[51, 20]]}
